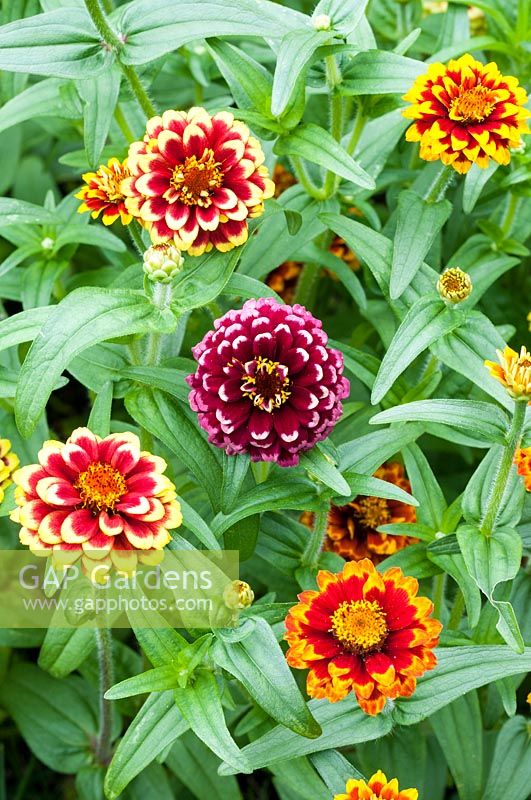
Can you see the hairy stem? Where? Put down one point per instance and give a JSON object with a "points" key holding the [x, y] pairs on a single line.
{"points": [[356, 130], [506, 462], [304, 179], [310, 556], [103, 749], [162, 293], [135, 234], [439, 185], [123, 124], [333, 77]]}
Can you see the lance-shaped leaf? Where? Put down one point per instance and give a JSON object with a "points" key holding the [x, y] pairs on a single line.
{"points": [[425, 322], [64, 649], [511, 765], [259, 664], [156, 726], [475, 181], [202, 279], [23, 327], [245, 74], [315, 144], [293, 57], [459, 730], [85, 317], [417, 225], [53, 97], [381, 72], [100, 95], [368, 452], [483, 420], [318, 464], [200, 705], [15, 212]]}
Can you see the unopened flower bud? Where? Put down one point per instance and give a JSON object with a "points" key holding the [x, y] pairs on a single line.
{"points": [[322, 22], [454, 285], [47, 243], [237, 595], [162, 262]]}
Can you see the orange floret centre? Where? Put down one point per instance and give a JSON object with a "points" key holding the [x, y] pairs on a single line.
{"points": [[359, 625], [100, 487], [196, 179], [373, 511], [473, 105]]}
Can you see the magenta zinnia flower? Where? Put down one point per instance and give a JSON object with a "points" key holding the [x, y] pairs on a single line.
{"points": [[196, 180], [266, 384]]}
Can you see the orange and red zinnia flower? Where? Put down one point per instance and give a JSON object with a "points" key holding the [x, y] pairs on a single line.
{"points": [[522, 460], [362, 632], [352, 529], [465, 113], [513, 371], [97, 499], [196, 180], [103, 193], [377, 788], [8, 463]]}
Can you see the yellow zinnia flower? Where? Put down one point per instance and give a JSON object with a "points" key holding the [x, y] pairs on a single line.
{"points": [[377, 788], [513, 371], [8, 463]]}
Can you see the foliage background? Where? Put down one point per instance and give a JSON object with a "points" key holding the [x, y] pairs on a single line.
{"points": [[67, 106]]}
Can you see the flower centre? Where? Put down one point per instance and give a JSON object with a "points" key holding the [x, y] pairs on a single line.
{"points": [[373, 511], [266, 383], [359, 625], [473, 105], [196, 179], [100, 487]]}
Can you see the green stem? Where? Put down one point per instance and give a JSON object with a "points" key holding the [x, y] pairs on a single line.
{"points": [[312, 551], [119, 116], [356, 131], [115, 43], [510, 211], [103, 750], [333, 76], [506, 462], [135, 233], [439, 185], [439, 584], [304, 179], [162, 293], [457, 611]]}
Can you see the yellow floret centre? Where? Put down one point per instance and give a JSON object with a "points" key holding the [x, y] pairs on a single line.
{"points": [[196, 179], [473, 105], [373, 511], [100, 487], [359, 625]]}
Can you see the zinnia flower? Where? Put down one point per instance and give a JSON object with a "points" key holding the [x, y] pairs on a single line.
{"points": [[8, 462], [466, 113], [266, 384], [282, 179], [97, 499], [362, 632], [522, 460], [104, 194], [454, 285], [196, 180], [377, 788], [352, 528], [513, 371], [283, 280]]}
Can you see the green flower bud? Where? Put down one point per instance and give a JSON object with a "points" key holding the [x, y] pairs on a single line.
{"points": [[162, 262]]}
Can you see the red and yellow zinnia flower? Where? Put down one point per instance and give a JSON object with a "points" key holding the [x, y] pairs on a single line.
{"points": [[8, 463], [513, 371], [362, 632], [97, 499], [377, 788], [352, 529], [103, 193], [522, 460], [465, 113], [196, 180]]}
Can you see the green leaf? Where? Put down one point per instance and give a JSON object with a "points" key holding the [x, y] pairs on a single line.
{"points": [[334, 769], [244, 286], [200, 704], [85, 317], [38, 280], [315, 144], [425, 487], [158, 679], [196, 767], [57, 718], [156, 726], [100, 95], [425, 322], [459, 730], [454, 565], [151, 784], [62, 43], [492, 560], [294, 55], [53, 97], [368, 452], [94, 235], [154, 27], [478, 491], [23, 327], [235, 469], [259, 664], [418, 223], [318, 464], [475, 181], [237, 67], [203, 279], [370, 486], [484, 421], [511, 764], [343, 724], [17, 212], [165, 419], [381, 72], [99, 420], [65, 649], [458, 671]]}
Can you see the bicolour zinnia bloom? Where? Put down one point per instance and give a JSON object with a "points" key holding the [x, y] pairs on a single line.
{"points": [[266, 383], [196, 180], [362, 632], [103, 193], [465, 113], [8, 463], [522, 460], [97, 499], [377, 788]]}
